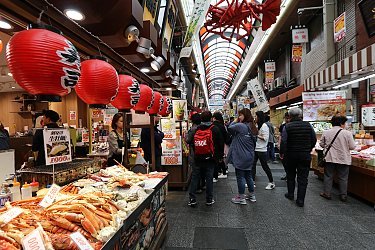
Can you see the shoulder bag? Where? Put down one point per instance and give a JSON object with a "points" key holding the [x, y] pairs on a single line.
{"points": [[322, 162]]}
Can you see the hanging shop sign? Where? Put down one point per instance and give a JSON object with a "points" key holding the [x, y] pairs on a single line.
{"points": [[168, 127], [180, 112], [297, 53], [368, 115], [171, 151], [260, 98], [57, 146], [270, 66], [339, 28], [300, 35], [269, 78], [200, 10], [321, 106]]}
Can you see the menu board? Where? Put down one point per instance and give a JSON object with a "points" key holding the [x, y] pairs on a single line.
{"points": [[321, 106], [180, 112], [168, 127], [57, 146], [368, 115], [171, 151]]}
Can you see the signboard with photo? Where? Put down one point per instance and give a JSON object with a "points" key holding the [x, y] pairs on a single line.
{"points": [[171, 152], [339, 28], [300, 35], [269, 78], [57, 146], [368, 115], [321, 106], [297, 53], [180, 112], [168, 127], [243, 102]]}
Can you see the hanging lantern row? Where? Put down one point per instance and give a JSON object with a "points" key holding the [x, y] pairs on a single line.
{"points": [[45, 63]]}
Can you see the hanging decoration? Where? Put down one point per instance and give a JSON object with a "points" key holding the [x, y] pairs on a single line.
{"points": [[239, 15], [146, 100], [99, 83], [43, 62], [128, 93], [168, 106], [158, 104]]}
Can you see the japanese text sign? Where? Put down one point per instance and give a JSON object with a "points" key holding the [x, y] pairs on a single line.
{"points": [[339, 28], [300, 35], [57, 146]]}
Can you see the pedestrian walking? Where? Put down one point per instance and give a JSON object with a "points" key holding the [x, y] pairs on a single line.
{"points": [[261, 149], [282, 126], [298, 139], [271, 141], [337, 143], [241, 154]]}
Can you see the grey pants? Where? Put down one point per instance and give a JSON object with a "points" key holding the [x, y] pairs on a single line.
{"points": [[342, 175]]}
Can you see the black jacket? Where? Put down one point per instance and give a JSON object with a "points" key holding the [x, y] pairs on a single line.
{"points": [[146, 142], [216, 138], [298, 138], [38, 144], [224, 139]]}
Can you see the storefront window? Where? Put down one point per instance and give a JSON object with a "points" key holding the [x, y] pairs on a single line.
{"points": [[161, 15]]}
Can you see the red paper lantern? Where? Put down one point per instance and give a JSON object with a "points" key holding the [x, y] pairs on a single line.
{"points": [[146, 100], [43, 62], [158, 104], [168, 106], [128, 93], [99, 82]]}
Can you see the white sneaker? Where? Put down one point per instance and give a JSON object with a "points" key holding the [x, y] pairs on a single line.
{"points": [[270, 186], [222, 176], [214, 180]]}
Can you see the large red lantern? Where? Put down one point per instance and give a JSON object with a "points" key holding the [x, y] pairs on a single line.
{"points": [[43, 62], [146, 100], [128, 93], [158, 104], [99, 82], [168, 106]]}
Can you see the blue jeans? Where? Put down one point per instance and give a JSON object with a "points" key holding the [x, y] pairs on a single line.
{"points": [[206, 167], [244, 176]]}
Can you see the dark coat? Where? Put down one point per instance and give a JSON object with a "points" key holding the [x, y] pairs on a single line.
{"points": [[146, 143]]}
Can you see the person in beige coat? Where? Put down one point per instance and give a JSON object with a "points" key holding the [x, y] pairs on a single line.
{"points": [[338, 157]]}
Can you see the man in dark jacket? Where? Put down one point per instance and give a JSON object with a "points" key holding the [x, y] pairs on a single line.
{"points": [[298, 139], [218, 121], [207, 164], [50, 119], [146, 144]]}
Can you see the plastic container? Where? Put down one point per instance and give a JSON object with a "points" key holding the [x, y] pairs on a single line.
{"points": [[34, 187], [16, 190], [26, 191]]}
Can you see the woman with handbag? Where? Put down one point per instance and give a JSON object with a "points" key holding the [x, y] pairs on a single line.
{"points": [[337, 143]]}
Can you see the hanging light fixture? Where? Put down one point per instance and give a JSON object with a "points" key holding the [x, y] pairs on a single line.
{"points": [[157, 63]]}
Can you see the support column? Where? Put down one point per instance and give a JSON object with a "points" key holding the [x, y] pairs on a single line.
{"points": [[328, 18]]}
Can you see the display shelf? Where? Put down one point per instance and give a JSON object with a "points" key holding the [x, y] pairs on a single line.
{"points": [[25, 112], [23, 100]]}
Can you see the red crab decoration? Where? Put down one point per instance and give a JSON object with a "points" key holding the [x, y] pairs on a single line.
{"points": [[236, 15]]}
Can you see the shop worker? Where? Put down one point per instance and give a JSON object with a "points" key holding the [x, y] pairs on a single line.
{"points": [[116, 140], [4, 138], [298, 139], [49, 120], [206, 156], [338, 157], [146, 144]]}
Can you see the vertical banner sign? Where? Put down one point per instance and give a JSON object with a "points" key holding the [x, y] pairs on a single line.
{"points": [[200, 10], [270, 66], [300, 35], [168, 127], [339, 28], [270, 77], [57, 146], [297, 53], [321, 106], [180, 110], [260, 98], [368, 115]]}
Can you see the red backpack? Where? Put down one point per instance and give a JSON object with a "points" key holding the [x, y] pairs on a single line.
{"points": [[203, 144]]}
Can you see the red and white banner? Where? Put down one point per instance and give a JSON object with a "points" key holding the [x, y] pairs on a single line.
{"points": [[339, 28]]}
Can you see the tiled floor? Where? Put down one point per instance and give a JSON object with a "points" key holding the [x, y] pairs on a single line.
{"points": [[273, 222]]}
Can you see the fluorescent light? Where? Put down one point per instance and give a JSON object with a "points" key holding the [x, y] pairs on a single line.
{"points": [[168, 89], [296, 104], [13, 87], [292, 107], [5, 25], [282, 107], [74, 14], [10, 74], [354, 81], [145, 70]]}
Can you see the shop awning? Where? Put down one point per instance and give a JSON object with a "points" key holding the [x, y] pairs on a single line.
{"points": [[356, 62], [289, 96]]}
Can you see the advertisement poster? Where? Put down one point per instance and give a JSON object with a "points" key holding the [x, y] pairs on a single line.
{"points": [[297, 53], [96, 113], [269, 78], [57, 146], [300, 35], [243, 102], [168, 127], [72, 115], [368, 115], [171, 152], [180, 110], [321, 106], [270, 66], [339, 28], [260, 98]]}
